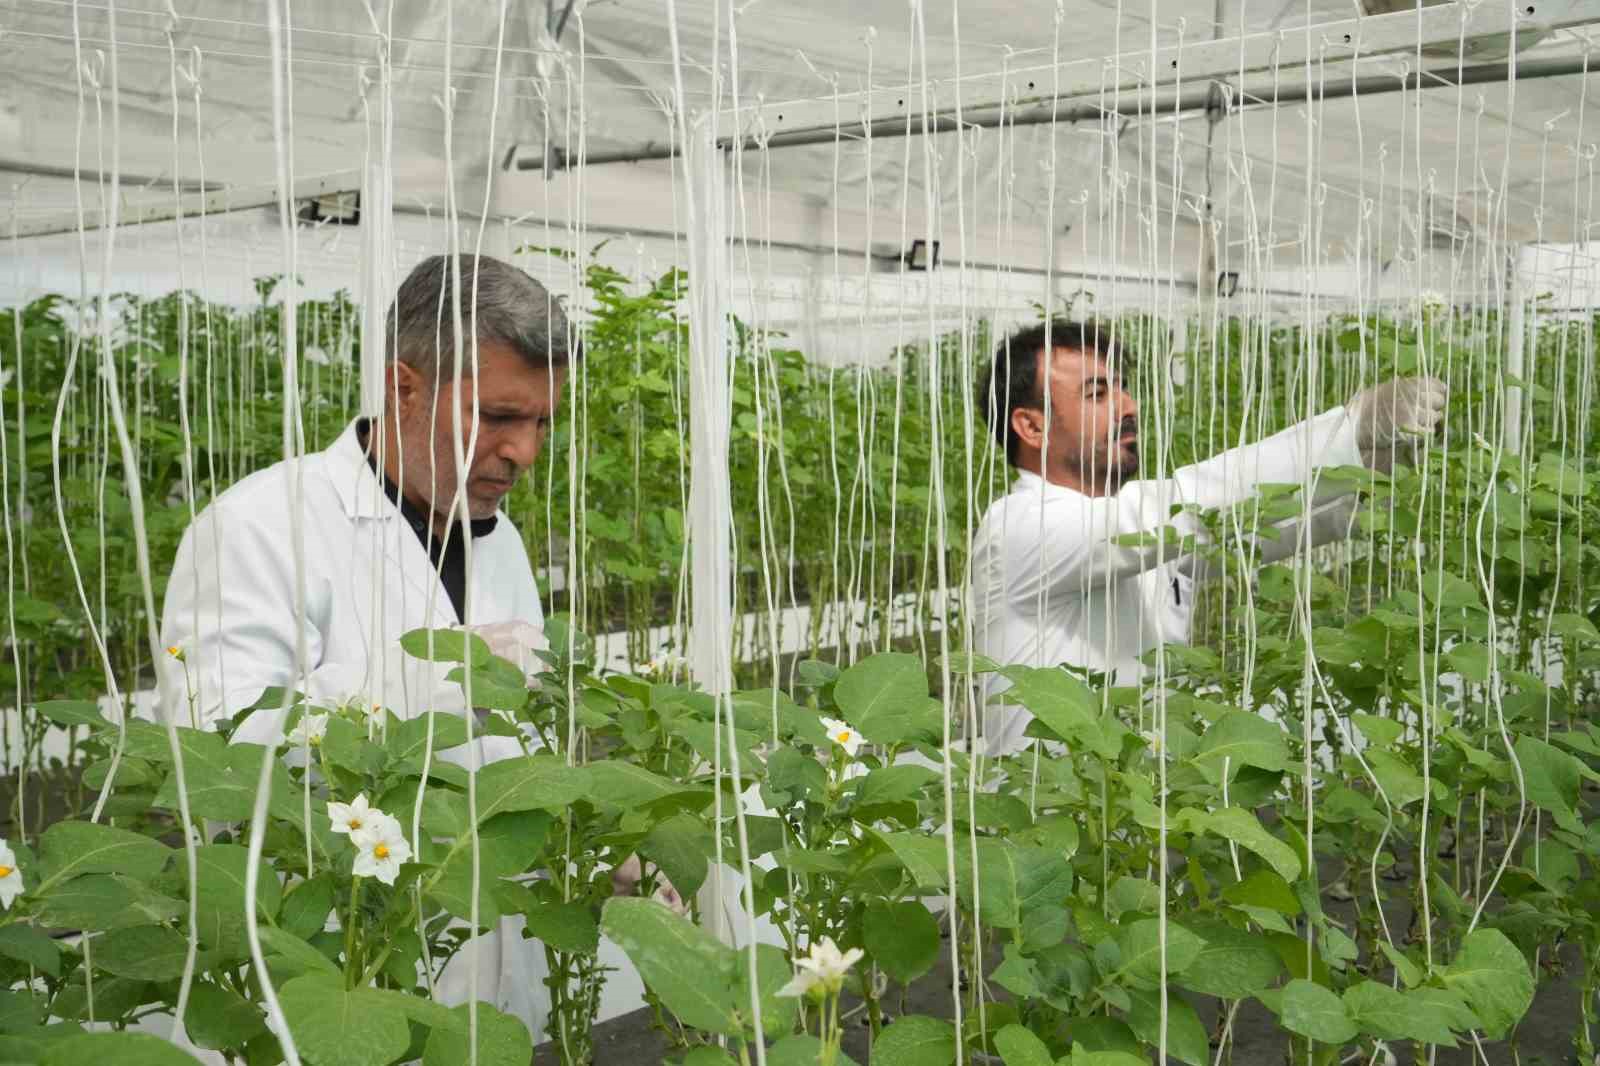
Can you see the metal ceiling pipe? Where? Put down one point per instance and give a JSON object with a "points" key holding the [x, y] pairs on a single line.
{"points": [[1132, 104], [45, 170]]}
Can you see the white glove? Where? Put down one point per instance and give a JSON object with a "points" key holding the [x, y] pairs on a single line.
{"points": [[1397, 411], [515, 642]]}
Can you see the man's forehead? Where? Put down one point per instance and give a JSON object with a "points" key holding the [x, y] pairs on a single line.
{"points": [[1076, 365]]}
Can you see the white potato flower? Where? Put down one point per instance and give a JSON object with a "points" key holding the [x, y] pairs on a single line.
{"points": [[10, 877], [844, 735], [309, 730], [353, 816], [823, 967], [381, 848]]}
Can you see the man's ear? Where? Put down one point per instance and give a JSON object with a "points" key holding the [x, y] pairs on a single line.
{"points": [[1027, 424], [403, 385]]}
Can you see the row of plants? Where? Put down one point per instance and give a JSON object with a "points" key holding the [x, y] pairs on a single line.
{"points": [[1359, 800], [1163, 856]]}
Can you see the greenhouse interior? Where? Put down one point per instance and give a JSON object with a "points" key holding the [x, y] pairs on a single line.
{"points": [[719, 532]]}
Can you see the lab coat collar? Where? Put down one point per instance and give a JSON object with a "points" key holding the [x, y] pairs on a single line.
{"points": [[358, 485], [1030, 484]]}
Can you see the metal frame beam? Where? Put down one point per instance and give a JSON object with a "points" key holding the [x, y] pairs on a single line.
{"points": [[46, 170], [1088, 93], [219, 201]]}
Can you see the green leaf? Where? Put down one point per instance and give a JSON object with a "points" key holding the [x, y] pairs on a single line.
{"points": [[885, 696], [665, 948], [894, 784], [1244, 739], [773, 971], [1449, 591], [1446, 1007], [1399, 781], [304, 911], [1241, 827], [1316, 1012], [915, 1040], [73, 712], [26, 943], [508, 844], [902, 938], [296, 955], [219, 1018], [1552, 777], [1574, 627], [71, 849], [220, 879], [801, 1049], [1062, 704], [1019, 1047], [123, 1049], [1140, 945], [105, 901], [446, 646], [1019, 975], [141, 952], [1381, 732], [408, 738], [20, 1010], [1013, 879], [502, 1040], [712, 1056], [1494, 979], [629, 786], [924, 858], [1186, 1035], [333, 1026], [226, 790], [1081, 1057], [1233, 964], [1389, 1014], [531, 782], [682, 846], [564, 926], [1409, 972]]}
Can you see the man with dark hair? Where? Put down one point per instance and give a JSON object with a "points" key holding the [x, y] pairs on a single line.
{"points": [[343, 551], [1051, 583]]}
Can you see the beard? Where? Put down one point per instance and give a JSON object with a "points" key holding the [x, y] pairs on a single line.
{"points": [[1110, 460]]}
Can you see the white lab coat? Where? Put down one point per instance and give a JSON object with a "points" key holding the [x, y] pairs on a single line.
{"points": [[367, 580], [1050, 585]]}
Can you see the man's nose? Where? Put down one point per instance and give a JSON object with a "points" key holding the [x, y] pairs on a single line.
{"points": [[521, 446], [1129, 406]]}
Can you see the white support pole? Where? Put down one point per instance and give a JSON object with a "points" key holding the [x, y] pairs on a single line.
{"points": [[377, 285], [710, 518], [1516, 348]]}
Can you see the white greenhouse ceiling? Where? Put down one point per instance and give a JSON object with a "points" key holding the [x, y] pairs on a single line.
{"points": [[1127, 178]]}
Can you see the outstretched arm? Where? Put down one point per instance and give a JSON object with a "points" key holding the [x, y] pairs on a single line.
{"points": [[1066, 541]]}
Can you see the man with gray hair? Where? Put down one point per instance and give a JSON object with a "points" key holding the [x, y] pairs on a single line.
{"points": [[306, 574]]}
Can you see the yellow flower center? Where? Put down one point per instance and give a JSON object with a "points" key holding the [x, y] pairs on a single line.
{"points": [[355, 823], [843, 737], [5, 871], [172, 650], [381, 851]]}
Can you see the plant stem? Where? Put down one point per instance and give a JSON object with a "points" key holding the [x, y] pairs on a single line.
{"points": [[351, 967]]}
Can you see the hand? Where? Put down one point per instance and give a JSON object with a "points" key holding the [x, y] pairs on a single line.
{"points": [[1396, 411], [514, 641], [625, 882]]}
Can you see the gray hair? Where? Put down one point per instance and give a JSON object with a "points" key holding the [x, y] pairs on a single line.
{"points": [[512, 309]]}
